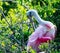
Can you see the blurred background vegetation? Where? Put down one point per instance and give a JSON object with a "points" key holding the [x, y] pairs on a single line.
{"points": [[15, 27]]}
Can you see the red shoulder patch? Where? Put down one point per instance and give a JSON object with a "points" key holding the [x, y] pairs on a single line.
{"points": [[47, 26]]}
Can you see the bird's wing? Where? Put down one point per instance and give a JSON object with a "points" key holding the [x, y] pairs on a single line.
{"points": [[45, 39], [51, 33], [33, 37], [35, 34]]}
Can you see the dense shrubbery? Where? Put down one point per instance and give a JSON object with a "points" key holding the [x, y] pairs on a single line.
{"points": [[15, 32]]}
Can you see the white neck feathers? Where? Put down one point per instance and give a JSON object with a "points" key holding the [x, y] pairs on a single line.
{"points": [[38, 18]]}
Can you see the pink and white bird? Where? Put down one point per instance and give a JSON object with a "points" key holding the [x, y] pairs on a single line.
{"points": [[43, 33]]}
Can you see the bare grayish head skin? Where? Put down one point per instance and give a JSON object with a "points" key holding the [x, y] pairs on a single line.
{"points": [[34, 13], [31, 12]]}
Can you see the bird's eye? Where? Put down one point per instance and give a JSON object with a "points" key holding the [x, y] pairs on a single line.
{"points": [[30, 14]]}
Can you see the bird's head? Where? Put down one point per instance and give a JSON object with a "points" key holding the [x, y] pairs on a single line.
{"points": [[31, 13]]}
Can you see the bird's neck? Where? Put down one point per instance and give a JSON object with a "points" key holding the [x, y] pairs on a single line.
{"points": [[38, 18]]}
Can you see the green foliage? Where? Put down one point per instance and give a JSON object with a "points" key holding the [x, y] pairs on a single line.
{"points": [[19, 25], [48, 47]]}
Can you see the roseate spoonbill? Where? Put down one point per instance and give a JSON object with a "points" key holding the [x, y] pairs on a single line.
{"points": [[43, 33]]}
